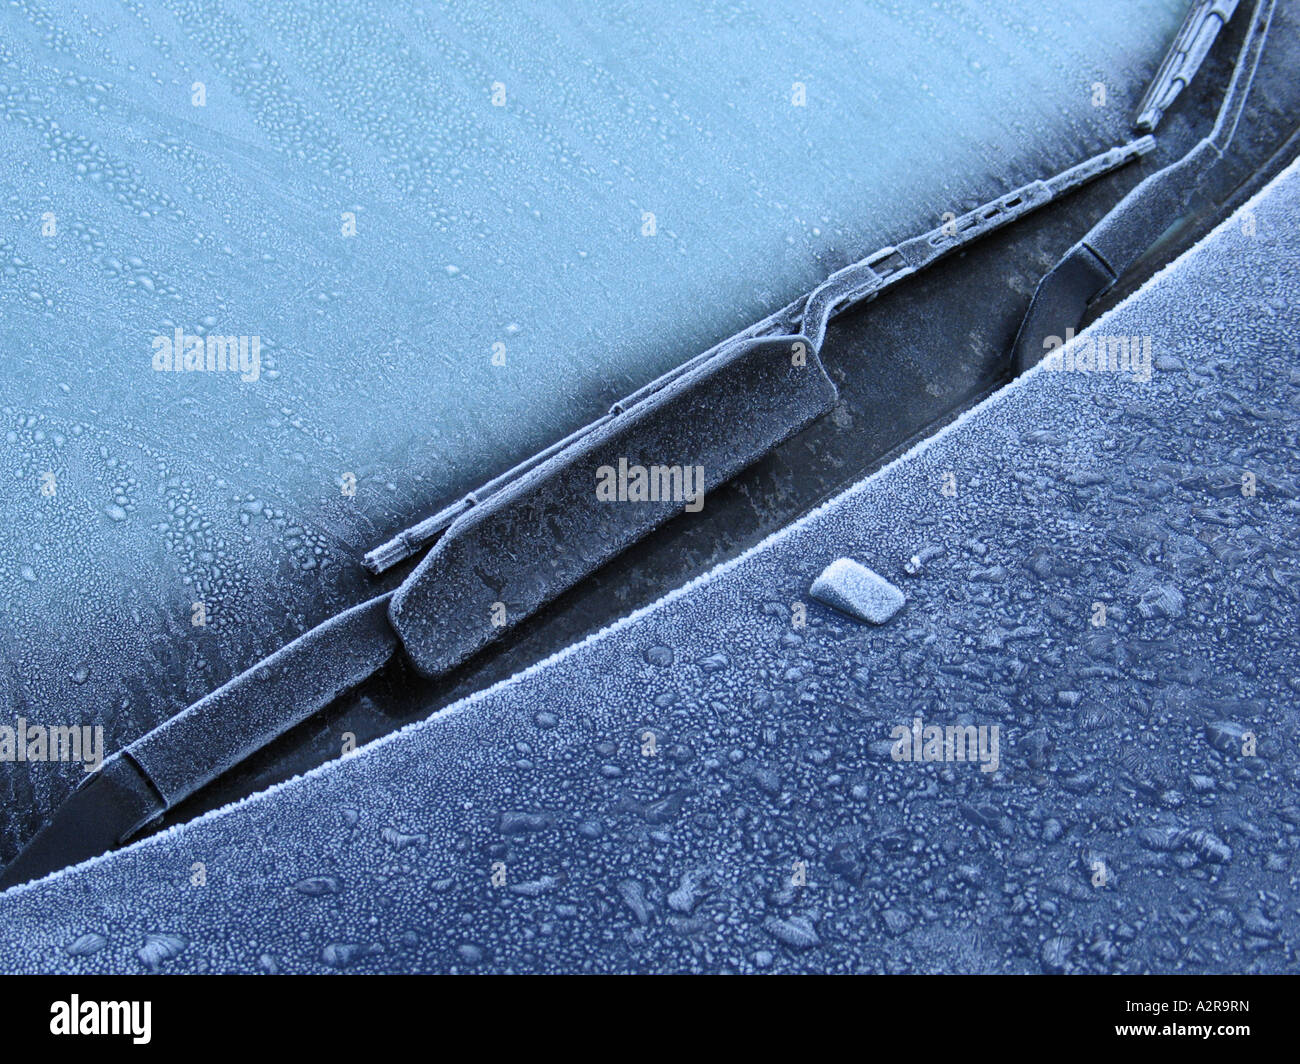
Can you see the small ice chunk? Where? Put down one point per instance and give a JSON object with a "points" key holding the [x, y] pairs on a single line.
{"points": [[856, 590]]}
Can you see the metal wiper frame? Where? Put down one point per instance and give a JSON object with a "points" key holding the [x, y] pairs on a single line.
{"points": [[1200, 28]]}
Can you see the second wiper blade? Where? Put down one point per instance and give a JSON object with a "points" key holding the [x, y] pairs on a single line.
{"points": [[1097, 261], [1200, 28]]}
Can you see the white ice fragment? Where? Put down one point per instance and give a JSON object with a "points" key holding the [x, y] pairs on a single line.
{"points": [[856, 590]]}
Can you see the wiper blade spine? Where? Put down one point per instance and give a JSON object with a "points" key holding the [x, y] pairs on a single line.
{"points": [[1199, 30]]}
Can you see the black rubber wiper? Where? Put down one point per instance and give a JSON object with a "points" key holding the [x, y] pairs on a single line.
{"points": [[1097, 262], [520, 541]]}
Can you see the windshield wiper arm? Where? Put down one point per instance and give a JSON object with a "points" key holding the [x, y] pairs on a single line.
{"points": [[134, 787], [520, 541], [1097, 262]]}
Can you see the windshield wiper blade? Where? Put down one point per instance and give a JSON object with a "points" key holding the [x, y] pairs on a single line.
{"points": [[522, 540], [1097, 262], [857, 283], [1191, 45]]}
